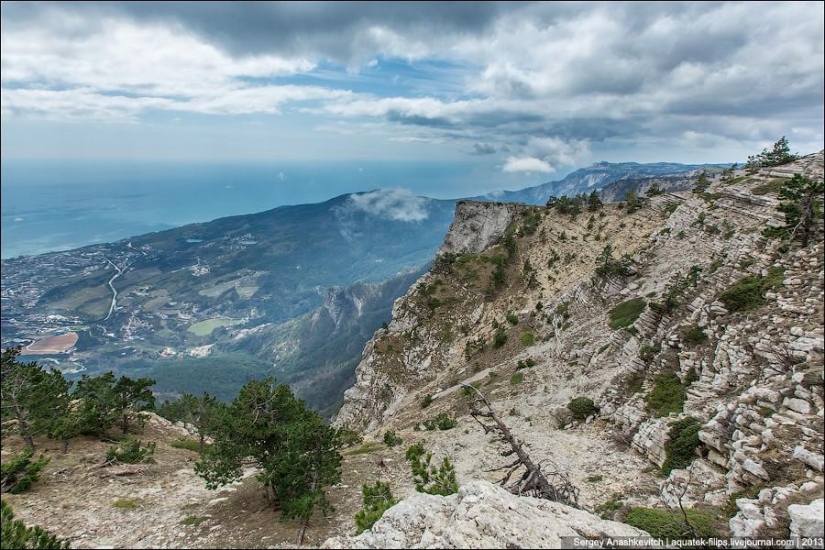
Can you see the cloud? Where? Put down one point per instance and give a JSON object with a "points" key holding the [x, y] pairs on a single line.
{"points": [[395, 204], [483, 149], [527, 164], [583, 76]]}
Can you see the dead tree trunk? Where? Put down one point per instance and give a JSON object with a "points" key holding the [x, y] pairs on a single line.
{"points": [[534, 481]]}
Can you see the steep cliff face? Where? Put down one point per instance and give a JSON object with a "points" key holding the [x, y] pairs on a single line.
{"points": [[522, 314]]}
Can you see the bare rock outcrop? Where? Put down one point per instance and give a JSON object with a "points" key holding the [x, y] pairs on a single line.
{"points": [[477, 226], [481, 515]]}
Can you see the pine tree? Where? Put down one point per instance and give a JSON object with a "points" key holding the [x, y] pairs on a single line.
{"points": [[201, 412], [702, 183], [802, 205], [593, 201], [296, 452], [29, 394]]}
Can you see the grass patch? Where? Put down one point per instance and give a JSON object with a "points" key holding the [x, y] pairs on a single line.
{"points": [[671, 526], [626, 313], [205, 328], [188, 444], [194, 520], [668, 395], [772, 186], [517, 378], [749, 292], [528, 339], [594, 479], [366, 448], [125, 503]]}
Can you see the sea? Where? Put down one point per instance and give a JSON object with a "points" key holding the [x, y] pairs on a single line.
{"points": [[60, 205]]}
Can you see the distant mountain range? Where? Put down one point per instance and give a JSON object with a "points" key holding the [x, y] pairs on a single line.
{"points": [[596, 176], [295, 291]]}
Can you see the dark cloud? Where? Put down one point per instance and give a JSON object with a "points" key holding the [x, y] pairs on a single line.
{"points": [[483, 149], [331, 30]]}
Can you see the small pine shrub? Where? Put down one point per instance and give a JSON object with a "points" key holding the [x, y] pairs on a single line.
{"points": [[130, 451], [430, 479], [441, 421], [427, 401], [668, 395], [512, 318], [582, 407], [694, 335], [15, 534], [391, 440], [749, 292], [680, 449], [648, 352], [377, 499], [500, 338], [526, 364], [19, 473], [517, 378]]}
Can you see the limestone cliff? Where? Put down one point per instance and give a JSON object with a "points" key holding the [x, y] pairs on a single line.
{"points": [[514, 306]]}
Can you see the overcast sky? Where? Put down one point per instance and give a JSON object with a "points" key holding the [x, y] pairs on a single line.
{"points": [[524, 87]]}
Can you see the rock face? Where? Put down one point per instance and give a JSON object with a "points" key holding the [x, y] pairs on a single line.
{"points": [[481, 515], [477, 226], [807, 521]]}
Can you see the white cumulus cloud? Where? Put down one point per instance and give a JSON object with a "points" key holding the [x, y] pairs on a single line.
{"points": [[393, 204], [527, 164]]}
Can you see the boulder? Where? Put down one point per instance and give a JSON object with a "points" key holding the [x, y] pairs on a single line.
{"points": [[807, 520], [481, 515]]}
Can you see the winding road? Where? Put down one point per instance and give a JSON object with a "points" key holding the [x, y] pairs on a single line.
{"points": [[112, 286]]}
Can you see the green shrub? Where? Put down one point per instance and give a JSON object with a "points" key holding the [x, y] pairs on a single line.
{"points": [[441, 421], [594, 479], [694, 335], [15, 534], [749, 292], [526, 364], [517, 378], [20, 472], [626, 313], [349, 437], [430, 479], [582, 407], [391, 440], [427, 401], [500, 338], [680, 449], [608, 509], [648, 352], [130, 451], [668, 395], [671, 526], [528, 339], [377, 499], [512, 318]]}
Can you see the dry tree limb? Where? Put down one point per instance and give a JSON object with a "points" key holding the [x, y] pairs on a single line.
{"points": [[552, 484]]}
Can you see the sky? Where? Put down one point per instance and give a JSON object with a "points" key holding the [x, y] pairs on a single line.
{"points": [[514, 87]]}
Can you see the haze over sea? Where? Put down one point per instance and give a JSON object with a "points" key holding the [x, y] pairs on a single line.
{"points": [[60, 205]]}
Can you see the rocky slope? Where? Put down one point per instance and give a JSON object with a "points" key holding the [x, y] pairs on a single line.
{"points": [[752, 380]]}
